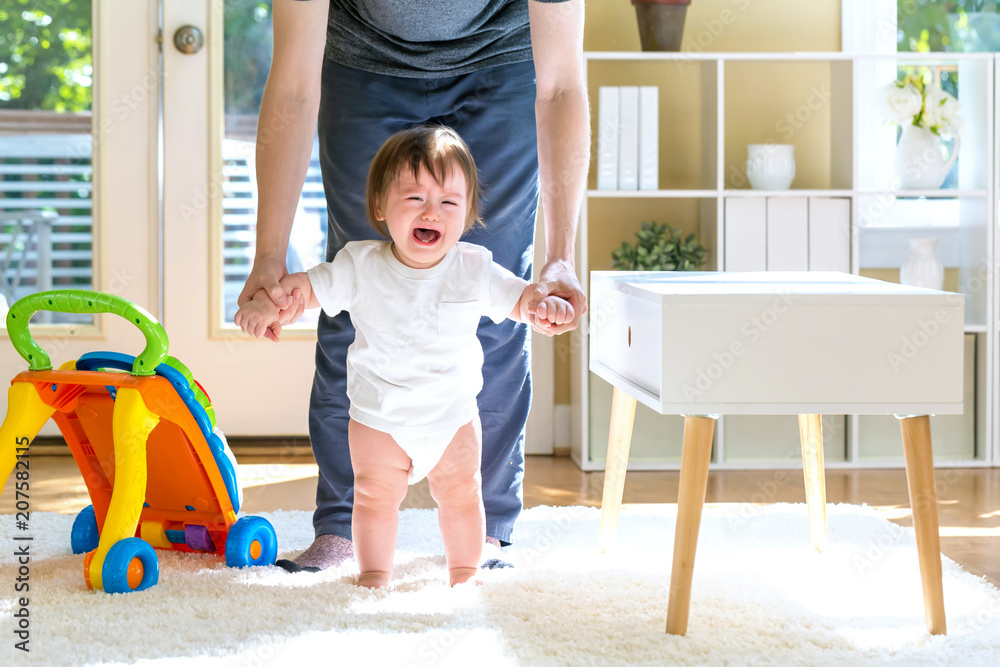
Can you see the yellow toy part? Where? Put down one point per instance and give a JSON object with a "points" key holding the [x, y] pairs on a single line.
{"points": [[26, 414], [154, 533], [132, 423]]}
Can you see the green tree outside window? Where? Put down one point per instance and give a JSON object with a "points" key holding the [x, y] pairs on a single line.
{"points": [[45, 55], [46, 63], [948, 25], [247, 53]]}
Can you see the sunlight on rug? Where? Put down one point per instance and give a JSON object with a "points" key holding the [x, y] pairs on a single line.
{"points": [[761, 596]]}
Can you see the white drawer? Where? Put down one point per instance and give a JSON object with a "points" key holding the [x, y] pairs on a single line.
{"points": [[626, 334]]}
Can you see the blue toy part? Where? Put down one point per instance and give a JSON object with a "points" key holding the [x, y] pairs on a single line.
{"points": [[174, 536], [199, 393], [226, 465], [251, 541], [115, 573], [217, 432], [84, 537]]}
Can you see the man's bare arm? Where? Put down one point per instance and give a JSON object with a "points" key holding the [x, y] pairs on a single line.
{"points": [[563, 122], [285, 130]]}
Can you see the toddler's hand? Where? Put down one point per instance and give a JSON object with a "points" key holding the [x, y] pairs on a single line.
{"points": [[258, 319], [551, 313], [293, 311]]}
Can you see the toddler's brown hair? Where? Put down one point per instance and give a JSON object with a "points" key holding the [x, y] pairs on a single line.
{"points": [[438, 149]]}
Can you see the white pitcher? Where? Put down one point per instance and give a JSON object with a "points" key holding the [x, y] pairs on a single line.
{"points": [[922, 268], [920, 163]]}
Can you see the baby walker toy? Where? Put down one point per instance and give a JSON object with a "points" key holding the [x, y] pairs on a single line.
{"points": [[142, 432]]}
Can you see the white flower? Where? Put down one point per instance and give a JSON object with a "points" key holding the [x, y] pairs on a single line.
{"points": [[900, 105], [941, 111], [912, 101]]}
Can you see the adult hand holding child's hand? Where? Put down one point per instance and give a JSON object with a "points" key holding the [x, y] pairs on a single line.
{"points": [[267, 272], [557, 279], [553, 312], [266, 276]]}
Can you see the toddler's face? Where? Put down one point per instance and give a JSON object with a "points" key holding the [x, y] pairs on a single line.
{"points": [[425, 219]]}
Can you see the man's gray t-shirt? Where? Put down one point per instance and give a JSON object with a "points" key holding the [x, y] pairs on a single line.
{"points": [[428, 38]]}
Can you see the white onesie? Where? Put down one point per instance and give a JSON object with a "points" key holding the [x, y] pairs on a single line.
{"points": [[415, 366]]}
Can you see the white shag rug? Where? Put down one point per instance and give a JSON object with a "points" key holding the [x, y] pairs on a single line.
{"points": [[761, 596]]}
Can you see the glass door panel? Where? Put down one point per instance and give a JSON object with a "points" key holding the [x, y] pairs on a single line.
{"points": [[46, 150], [246, 61], [79, 204]]}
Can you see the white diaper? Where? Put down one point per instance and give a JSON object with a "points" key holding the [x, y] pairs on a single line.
{"points": [[424, 450]]}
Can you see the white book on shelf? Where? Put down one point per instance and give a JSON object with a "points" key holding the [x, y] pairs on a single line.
{"points": [[607, 138], [745, 234], [628, 138], [830, 234], [649, 141], [787, 234]]}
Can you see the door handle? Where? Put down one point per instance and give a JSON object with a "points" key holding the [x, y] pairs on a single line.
{"points": [[189, 39]]}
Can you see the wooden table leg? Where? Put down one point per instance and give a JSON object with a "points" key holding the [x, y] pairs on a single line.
{"points": [[923, 503], [695, 457], [811, 435], [619, 439]]}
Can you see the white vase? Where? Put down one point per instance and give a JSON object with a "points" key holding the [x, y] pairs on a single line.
{"points": [[922, 268], [770, 166], [920, 162]]}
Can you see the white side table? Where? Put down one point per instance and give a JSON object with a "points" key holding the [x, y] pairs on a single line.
{"points": [[807, 343]]}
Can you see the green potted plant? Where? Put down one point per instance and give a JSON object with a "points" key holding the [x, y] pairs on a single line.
{"points": [[661, 23], [659, 248]]}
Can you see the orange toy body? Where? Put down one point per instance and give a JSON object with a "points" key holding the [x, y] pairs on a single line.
{"points": [[176, 477]]}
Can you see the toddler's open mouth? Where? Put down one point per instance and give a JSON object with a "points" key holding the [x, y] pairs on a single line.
{"points": [[426, 236]]}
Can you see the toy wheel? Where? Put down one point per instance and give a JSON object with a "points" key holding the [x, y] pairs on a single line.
{"points": [[131, 565], [251, 541], [84, 537]]}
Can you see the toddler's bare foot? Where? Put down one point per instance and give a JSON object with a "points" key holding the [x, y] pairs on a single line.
{"points": [[325, 551], [373, 579], [460, 575]]}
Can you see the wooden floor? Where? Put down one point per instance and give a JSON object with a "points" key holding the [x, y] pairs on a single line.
{"points": [[968, 499]]}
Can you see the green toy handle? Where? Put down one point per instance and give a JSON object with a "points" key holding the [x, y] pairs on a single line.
{"points": [[84, 301]]}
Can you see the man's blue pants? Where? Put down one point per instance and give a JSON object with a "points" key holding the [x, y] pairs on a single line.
{"points": [[494, 112]]}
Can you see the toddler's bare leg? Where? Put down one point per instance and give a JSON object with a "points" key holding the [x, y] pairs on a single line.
{"points": [[380, 480], [456, 486]]}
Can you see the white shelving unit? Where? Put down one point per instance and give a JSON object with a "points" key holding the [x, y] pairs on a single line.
{"points": [[860, 152]]}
